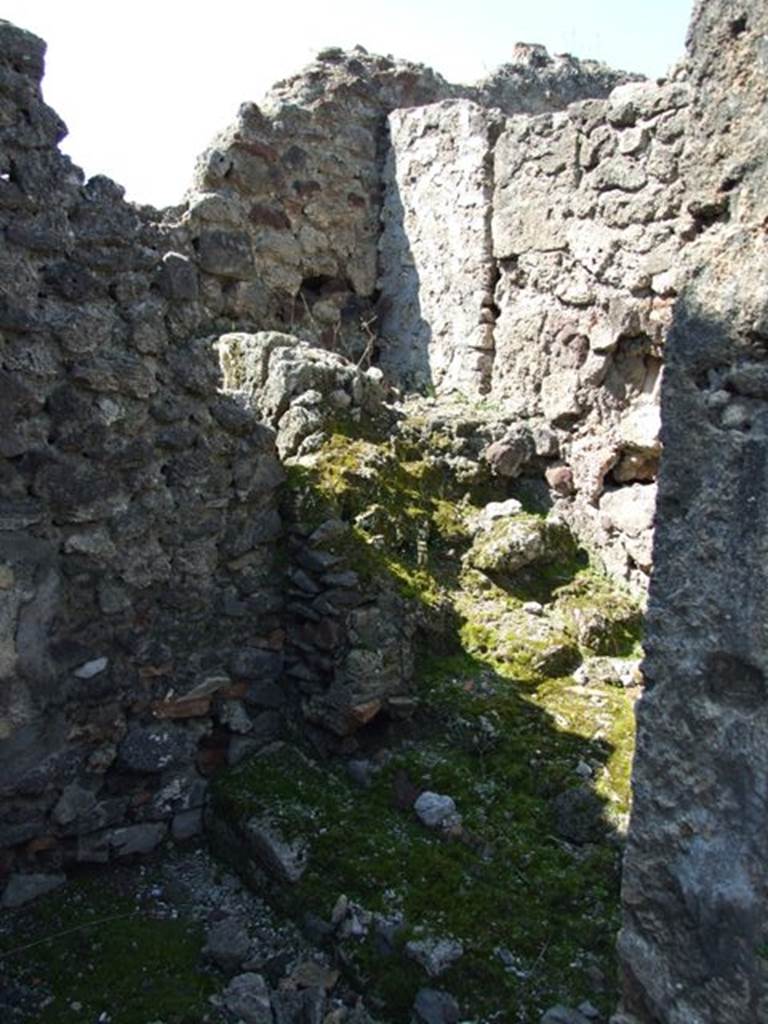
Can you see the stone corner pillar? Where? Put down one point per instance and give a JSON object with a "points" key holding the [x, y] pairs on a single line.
{"points": [[694, 943]]}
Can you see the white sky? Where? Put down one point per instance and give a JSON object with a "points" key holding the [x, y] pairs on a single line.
{"points": [[143, 86]]}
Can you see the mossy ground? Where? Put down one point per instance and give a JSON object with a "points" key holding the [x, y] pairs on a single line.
{"points": [[94, 948], [507, 887], [537, 918]]}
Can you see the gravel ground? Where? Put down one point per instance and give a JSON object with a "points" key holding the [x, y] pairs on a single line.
{"points": [[67, 957]]}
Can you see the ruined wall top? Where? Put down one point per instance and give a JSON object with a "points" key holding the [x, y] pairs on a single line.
{"points": [[532, 82]]}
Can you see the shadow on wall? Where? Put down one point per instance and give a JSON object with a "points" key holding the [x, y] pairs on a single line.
{"points": [[137, 556], [694, 885], [714, 414], [405, 334]]}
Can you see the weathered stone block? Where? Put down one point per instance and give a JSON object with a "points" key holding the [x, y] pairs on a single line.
{"points": [[287, 860], [23, 888], [154, 748], [226, 254], [136, 839], [437, 270], [178, 278]]}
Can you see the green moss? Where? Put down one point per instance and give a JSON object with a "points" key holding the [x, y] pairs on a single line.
{"points": [[90, 948], [506, 883], [503, 751], [606, 618], [501, 727], [401, 526]]}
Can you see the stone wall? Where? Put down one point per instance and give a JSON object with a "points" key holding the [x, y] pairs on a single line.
{"points": [[285, 205], [348, 629], [534, 260], [140, 616], [585, 235], [693, 944], [142, 627], [437, 274]]}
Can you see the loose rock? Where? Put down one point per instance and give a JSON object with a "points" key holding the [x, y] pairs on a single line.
{"points": [[433, 1006], [227, 944], [435, 955], [23, 888], [247, 997], [436, 810]]}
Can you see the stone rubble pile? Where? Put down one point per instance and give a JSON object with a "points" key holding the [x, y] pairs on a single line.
{"points": [[298, 389]]}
